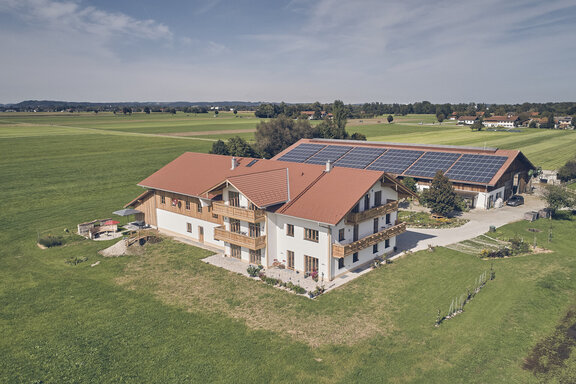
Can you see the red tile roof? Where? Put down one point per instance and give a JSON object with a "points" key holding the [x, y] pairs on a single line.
{"points": [[303, 190]]}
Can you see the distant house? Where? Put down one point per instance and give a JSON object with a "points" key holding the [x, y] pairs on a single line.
{"points": [[454, 116], [563, 122], [467, 120], [509, 121]]}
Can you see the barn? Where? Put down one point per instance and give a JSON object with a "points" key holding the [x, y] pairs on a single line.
{"points": [[481, 176]]}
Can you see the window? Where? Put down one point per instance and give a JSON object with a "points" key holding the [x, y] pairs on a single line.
{"points": [[188, 227], [388, 218], [162, 199], [310, 234], [235, 251], [199, 207], [254, 229], [377, 198], [234, 198], [235, 225], [356, 208], [375, 248], [187, 205], [255, 256], [341, 234], [387, 243], [289, 230], [214, 216], [290, 259], [376, 225], [340, 263], [355, 257], [355, 238], [366, 202], [310, 264]]}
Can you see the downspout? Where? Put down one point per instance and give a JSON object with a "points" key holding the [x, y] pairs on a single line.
{"points": [[329, 253]]}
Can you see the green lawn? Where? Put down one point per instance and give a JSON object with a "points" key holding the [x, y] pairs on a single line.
{"points": [[167, 317]]}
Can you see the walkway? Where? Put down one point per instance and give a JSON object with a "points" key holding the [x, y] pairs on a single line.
{"points": [[416, 239]]}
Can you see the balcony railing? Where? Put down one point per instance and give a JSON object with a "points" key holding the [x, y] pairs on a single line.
{"points": [[255, 243], [343, 250], [244, 214], [355, 218]]}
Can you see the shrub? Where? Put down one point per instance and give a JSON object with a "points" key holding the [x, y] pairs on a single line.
{"points": [[51, 241], [75, 260], [254, 271]]}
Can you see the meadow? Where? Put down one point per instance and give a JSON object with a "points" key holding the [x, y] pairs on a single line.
{"points": [[166, 317]]}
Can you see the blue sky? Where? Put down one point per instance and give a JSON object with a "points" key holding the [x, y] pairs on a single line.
{"points": [[402, 51]]}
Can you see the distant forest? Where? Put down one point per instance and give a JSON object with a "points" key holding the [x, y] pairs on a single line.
{"points": [[270, 110]]}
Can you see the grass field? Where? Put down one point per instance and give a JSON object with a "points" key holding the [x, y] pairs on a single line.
{"points": [[166, 317]]}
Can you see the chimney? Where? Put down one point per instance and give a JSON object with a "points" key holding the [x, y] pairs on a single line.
{"points": [[328, 166], [233, 163]]}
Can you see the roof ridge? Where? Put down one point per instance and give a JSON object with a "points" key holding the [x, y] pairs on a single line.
{"points": [[257, 172], [291, 202]]}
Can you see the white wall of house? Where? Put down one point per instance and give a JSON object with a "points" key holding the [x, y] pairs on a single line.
{"points": [[177, 223], [279, 242]]}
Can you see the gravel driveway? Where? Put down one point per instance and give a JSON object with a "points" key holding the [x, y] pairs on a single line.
{"points": [[416, 239]]}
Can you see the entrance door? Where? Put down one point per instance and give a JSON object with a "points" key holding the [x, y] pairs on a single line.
{"points": [[200, 234]]}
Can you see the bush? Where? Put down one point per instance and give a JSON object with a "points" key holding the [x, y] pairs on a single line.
{"points": [[253, 270], [51, 241]]}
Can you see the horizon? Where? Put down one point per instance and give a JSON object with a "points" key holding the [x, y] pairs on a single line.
{"points": [[397, 52]]}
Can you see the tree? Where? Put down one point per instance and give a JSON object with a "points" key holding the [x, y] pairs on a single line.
{"points": [[340, 117], [440, 197], [573, 122], [410, 183], [275, 135], [147, 110], [558, 197], [237, 146], [219, 148], [216, 113], [390, 119], [477, 126], [358, 136], [568, 171], [235, 113], [440, 117], [329, 130]]}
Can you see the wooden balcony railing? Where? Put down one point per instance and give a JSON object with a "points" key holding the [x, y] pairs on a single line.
{"points": [[343, 250], [255, 243], [244, 214], [355, 218]]}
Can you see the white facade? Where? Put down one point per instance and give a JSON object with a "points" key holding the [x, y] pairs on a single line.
{"points": [[288, 235], [500, 123], [486, 200], [178, 224]]}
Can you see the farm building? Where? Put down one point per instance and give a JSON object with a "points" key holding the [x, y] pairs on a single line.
{"points": [[480, 175], [313, 218], [501, 121]]}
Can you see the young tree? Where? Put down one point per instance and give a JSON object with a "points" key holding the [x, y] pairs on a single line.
{"points": [[568, 171], [440, 197], [440, 117], [558, 197], [477, 126], [390, 119]]}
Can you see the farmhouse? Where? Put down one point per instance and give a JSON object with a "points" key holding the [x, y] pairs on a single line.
{"points": [[467, 120], [308, 217], [480, 175], [509, 121]]}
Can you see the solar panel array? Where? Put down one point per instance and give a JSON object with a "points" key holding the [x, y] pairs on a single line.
{"points": [[359, 157], [331, 152], [302, 152], [432, 162], [476, 168], [417, 163], [395, 160]]}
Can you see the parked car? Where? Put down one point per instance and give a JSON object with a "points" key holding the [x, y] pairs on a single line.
{"points": [[515, 201]]}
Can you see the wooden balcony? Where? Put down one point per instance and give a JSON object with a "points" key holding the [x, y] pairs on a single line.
{"points": [[343, 250], [255, 243], [244, 214], [355, 218]]}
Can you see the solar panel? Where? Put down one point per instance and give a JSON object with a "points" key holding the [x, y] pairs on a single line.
{"points": [[395, 160], [359, 157], [301, 152], [331, 152], [431, 162], [476, 168]]}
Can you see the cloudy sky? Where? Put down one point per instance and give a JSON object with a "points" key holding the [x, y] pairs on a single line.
{"points": [[494, 51]]}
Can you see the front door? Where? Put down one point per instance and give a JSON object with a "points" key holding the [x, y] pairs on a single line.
{"points": [[200, 234]]}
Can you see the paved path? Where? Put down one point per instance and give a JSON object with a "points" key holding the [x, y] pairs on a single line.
{"points": [[416, 239]]}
